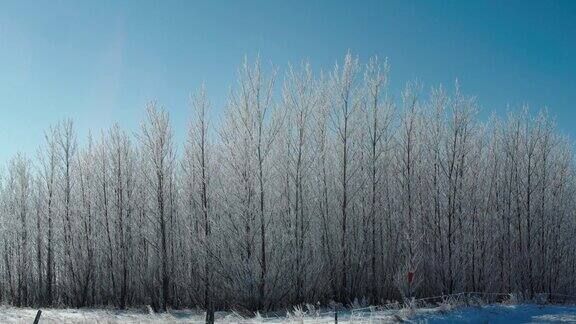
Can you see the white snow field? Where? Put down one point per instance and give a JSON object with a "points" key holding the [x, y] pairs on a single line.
{"points": [[526, 313], [26, 315]]}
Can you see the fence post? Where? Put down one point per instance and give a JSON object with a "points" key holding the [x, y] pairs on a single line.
{"points": [[37, 317], [336, 316]]}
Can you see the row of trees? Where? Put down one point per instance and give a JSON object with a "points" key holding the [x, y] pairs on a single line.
{"points": [[327, 190]]}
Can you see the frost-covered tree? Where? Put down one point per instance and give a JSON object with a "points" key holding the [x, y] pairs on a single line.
{"points": [[158, 152]]}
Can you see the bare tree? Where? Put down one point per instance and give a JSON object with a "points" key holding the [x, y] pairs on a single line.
{"points": [[379, 114], [198, 153], [48, 173], [345, 105], [156, 139]]}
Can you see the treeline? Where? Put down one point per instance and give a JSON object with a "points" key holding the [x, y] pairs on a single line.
{"points": [[325, 188]]}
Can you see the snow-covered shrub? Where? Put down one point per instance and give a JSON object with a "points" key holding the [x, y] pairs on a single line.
{"points": [[446, 305], [409, 309], [297, 315], [257, 318], [335, 305], [476, 301], [513, 299], [233, 317], [451, 302], [541, 299], [362, 303], [392, 304], [313, 310]]}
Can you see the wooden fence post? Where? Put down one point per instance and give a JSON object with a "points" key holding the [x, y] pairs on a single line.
{"points": [[37, 319]]}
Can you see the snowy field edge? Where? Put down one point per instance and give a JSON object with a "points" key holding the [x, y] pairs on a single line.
{"points": [[493, 313]]}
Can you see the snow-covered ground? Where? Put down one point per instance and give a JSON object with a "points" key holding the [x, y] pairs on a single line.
{"points": [[27, 315], [487, 314], [502, 314]]}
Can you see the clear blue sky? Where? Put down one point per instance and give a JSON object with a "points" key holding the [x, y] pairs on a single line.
{"points": [[101, 61]]}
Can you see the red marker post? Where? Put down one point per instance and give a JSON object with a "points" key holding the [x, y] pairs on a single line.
{"points": [[410, 279]]}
